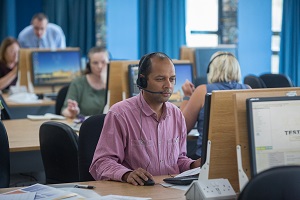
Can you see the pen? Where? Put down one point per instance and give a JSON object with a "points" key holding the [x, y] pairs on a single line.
{"points": [[85, 186]]}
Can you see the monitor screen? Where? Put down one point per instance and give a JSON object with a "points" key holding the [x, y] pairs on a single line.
{"points": [[55, 67], [183, 71], [274, 132], [133, 70], [203, 55]]}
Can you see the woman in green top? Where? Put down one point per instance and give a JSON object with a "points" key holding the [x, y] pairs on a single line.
{"points": [[86, 94]]}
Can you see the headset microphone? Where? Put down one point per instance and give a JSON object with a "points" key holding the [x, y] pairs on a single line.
{"points": [[152, 91], [149, 90]]}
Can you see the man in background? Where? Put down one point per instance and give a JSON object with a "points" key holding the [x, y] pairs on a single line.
{"points": [[41, 34]]}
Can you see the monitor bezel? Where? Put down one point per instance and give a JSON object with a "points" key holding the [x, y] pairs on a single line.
{"points": [[250, 127], [51, 51]]}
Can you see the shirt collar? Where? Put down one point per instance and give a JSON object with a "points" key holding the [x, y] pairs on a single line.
{"points": [[147, 110]]}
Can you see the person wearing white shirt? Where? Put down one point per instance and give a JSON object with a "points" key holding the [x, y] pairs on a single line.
{"points": [[41, 34]]}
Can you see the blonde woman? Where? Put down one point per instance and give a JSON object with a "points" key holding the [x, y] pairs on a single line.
{"points": [[86, 94], [223, 73]]}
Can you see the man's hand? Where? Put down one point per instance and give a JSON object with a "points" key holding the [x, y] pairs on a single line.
{"points": [[196, 163], [137, 176]]}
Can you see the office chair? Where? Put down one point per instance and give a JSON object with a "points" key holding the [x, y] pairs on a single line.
{"points": [[276, 184], [276, 80], [5, 113], [60, 99], [59, 150], [200, 80], [89, 134], [254, 82], [4, 158]]}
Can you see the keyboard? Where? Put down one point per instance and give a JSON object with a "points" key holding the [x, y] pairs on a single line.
{"points": [[183, 180]]}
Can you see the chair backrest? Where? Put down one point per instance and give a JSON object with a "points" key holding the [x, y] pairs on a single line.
{"points": [[59, 150], [60, 99], [89, 134], [5, 113], [276, 184], [254, 82], [4, 158], [276, 80]]}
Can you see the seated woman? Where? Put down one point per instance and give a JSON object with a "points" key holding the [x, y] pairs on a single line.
{"points": [[223, 73], [86, 94], [9, 58]]}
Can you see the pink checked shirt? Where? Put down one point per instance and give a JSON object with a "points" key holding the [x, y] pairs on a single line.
{"points": [[133, 138]]}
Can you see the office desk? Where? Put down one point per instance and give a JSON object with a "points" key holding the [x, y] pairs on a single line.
{"points": [[155, 192], [24, 145], [21, 110], [23, 134]]}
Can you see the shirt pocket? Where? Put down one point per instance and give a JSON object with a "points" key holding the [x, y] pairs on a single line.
{"points": [[140, 153], [172, 151]]}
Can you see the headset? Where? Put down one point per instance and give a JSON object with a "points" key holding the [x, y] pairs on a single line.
{"points": [[222, 54], [143, 64]]}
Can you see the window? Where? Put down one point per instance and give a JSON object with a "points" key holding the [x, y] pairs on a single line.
{"points": [[211, 22], [276, 29]]}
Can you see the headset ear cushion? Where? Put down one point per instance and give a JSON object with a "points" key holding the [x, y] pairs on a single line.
{"points": [[143, 82]]}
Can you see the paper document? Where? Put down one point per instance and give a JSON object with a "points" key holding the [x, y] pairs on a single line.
{"points": [[45, 117], [19, 196], [46, 192], [190, 172]]}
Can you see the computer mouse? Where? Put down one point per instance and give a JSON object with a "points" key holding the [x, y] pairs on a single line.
{"points": [[149, 182]]}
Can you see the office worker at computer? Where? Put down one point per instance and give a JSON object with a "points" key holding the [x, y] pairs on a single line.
{"points": [[145, 135], [87, 94], [9, 58], [41, 34], [223, 73]]}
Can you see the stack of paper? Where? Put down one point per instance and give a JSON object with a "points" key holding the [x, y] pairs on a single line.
{"points": [[47, 116]]}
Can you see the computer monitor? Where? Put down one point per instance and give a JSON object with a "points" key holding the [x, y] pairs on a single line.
{"points": [[50, 68], [274, 132], [203, 55], [205, 128], [183, 71], [133, 70]]}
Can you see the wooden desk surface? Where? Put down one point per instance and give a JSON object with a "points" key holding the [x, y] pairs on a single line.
{"points": [[44, 102], [155, 192], [23, 134]]}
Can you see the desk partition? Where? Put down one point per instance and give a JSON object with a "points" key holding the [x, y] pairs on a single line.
{"points": [[228, 128], [241, 131]]}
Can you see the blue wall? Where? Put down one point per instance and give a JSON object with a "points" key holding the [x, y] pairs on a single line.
{"points": [[254, 25], [122, 27]]}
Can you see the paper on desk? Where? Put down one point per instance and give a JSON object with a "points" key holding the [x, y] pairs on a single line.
{"points": [[185, 173], [190, 172], [18, 196], [47, 192], [86, 193], [46, 116]]}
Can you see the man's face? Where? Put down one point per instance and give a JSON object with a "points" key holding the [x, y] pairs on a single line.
{"points": [[39, 27], [161, 79]]}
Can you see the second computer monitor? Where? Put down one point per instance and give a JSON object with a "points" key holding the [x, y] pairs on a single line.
{"points": [[274, 132], [51, 68]]}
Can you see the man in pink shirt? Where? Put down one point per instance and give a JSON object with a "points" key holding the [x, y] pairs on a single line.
{"points": [[144, 136]]}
